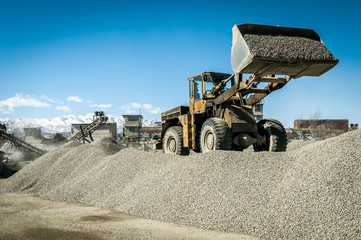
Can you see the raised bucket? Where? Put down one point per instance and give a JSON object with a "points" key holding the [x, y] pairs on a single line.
{"points": [[263, 50]]}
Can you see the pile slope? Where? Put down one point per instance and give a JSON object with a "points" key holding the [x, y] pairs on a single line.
{"points": [[313, 192]]}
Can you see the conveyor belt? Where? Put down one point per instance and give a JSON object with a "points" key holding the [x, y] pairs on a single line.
{"points": [[97, 123], [21, 144]]}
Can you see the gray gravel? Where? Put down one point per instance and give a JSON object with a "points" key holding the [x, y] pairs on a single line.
{"points": [[298, 143], [313, 192], [287, 47]]}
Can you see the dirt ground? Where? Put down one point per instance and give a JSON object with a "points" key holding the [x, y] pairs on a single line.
{"points": [[26, 217]]}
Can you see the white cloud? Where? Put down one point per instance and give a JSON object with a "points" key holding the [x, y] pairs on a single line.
{"points": [[154, 110], [48, 99], [128, 111], [74, 99], [134, 108], [101, 105], [135, 105], [19, 100], [63, 108], [147, 106]]}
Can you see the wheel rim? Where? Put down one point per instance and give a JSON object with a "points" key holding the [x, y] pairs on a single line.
{"points": [[209, 140], [172, 145]]}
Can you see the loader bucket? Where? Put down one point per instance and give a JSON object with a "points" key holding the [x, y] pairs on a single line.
{"points": [[263, 50]]}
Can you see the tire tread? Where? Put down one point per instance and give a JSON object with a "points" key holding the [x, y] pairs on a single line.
{"points": [[276, 130], [222, 131], [178, 134]]}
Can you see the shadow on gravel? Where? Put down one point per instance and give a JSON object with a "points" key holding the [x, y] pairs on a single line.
{"points": [[106, 218], [50, 233]]}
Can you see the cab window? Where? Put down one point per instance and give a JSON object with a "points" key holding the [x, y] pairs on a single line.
{"points": [[197, 88], [209, 84], [191, 88]]}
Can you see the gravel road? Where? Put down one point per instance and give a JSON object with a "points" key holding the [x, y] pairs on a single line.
{"points": [[30, 218]]}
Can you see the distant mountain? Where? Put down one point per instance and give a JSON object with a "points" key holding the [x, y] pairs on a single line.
{"points": [[61, 125]]}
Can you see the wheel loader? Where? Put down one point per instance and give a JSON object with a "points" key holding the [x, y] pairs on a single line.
{"points": [[219, 116]]}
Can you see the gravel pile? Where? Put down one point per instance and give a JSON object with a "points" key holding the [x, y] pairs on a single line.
{"points": [[296, 144], [313, 192], [287, 47], [108, 145]]}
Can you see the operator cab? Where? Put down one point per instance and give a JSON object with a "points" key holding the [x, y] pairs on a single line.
{"points": [[201, 85]]}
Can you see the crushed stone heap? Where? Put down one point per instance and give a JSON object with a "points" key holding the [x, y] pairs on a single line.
{"points": [[287, 47], [313, 192]]}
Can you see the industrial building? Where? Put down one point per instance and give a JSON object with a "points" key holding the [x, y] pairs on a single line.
{"points": [[107, 130], [132, 124], [318, 129], [32, 132], [322, 124], [148, 133]]}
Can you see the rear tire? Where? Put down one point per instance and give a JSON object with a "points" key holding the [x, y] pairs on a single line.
{"points": [[173, 141], [215, 135], [274, 134]]}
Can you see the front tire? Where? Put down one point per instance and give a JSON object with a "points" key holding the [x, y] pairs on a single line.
{"points": [[173, 141], [274, 135], [215, 135]]}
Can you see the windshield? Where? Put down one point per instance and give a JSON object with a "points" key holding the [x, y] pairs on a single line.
{"points": [[214, 79]]}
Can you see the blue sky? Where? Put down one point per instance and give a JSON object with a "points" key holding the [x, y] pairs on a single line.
{"points": [[75, 57]]}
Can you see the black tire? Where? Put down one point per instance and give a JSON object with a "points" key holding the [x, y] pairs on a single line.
{"points": [[215, 135], [173, 141], [274, 134], [6, 171]]}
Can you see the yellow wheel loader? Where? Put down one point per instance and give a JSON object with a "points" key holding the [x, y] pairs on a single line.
{"points": [[220, 116]]}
